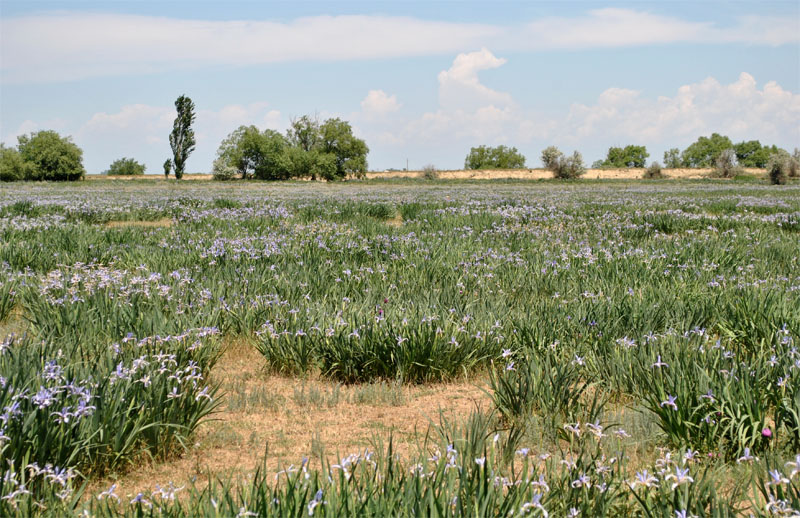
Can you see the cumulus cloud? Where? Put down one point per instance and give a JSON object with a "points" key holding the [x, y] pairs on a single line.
{"points": [[64, 46], [460, 88], [739, 109], [378, 103]]}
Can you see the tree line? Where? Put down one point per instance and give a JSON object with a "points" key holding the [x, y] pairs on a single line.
{"points": [[328, 150]]}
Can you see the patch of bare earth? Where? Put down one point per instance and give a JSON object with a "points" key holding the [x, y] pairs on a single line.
{"points": [[292, 418], [164, 222]]}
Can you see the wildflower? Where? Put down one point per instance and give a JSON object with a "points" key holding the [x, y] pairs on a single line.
{"points": [[596, 429], [315, 502], [681, 476], [523, 452], [746, 457], [708, 395], [670, 402], [574, 429], [140, 499], [578, 360], [244, 512], [480, 461], [766, 432], [583, 480], [683, 514], [643, 478], [109, 493], [658, 364], [795, 465], [535, 503], [541, 483], [777, 478], [622, 434], [506, 353]]}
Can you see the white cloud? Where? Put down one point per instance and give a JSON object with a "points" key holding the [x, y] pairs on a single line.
{"points": [[739, 109], [460, 88], [378, 103], [66, 46]]}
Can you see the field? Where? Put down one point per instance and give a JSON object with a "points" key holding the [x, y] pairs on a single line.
{"points": [[400, 348]]}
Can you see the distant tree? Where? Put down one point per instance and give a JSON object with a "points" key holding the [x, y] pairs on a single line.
{"points": [[726, 165], [500, 157], [12, 167], [550, 156], [778, 168], [266, 154], [222, 171], [672, 158], [629, 156], [704, 152], [51, 157], [349, 151], [563, 167], [182, 138], [167, 167], [126, 167], [752, 154]]}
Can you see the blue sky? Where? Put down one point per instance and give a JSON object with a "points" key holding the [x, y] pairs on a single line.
{"points": [[419, 81]]}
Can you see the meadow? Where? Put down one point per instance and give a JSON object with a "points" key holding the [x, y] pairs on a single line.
{"points": [[614, 348]]}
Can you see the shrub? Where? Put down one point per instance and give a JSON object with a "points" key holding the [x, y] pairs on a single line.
{"points": [[778, 169], [51, 157], [12, 167], [126, 167], [500, 157], [549, 156], [794, 164], [653, 172], [222, 171], [563, 167], [167, 167], [429, 172], [726, 164]]}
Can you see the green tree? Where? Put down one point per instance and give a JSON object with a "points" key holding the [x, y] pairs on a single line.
{"points": [[349, 152], [51, 157], [629, 156], [304, 133], [752, 154], [126, 167], [265, 153], [500, 157], [704, 152], [182, 138], [12, 167], [672, 158], [167, 167]]}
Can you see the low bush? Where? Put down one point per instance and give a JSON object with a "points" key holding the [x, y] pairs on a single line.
{"points": [[653, 172], [126, 167], [726, 165], [778, 169], [429, 172]]}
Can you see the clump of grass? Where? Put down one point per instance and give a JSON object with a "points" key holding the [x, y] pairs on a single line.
{"points": [[653, 172]]}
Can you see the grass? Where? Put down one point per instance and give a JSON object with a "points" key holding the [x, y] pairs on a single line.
{"points": [[403, 317]]}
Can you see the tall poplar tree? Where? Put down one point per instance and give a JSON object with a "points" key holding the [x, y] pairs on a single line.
{"points": [[182, 137]]}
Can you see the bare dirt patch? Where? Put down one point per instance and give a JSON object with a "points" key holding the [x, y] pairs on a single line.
{"points": [[164, 222], [292, 418]]}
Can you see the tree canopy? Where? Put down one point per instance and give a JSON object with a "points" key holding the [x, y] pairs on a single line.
{"points": [[704, 152], [500, 157], [182, 138], [629, 156], [310, 149], [49, 156]]}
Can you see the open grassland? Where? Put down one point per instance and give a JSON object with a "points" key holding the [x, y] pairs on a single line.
{"points": [[402, 348]]}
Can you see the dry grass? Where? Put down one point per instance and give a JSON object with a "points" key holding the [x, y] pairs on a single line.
{"points": [[164, 222], [292, 418]]}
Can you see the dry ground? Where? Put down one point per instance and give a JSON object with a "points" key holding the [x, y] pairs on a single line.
{"points": [[485, 174], [292, 418]]}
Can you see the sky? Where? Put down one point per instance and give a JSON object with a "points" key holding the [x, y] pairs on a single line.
{"points": [[420, 82]]}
